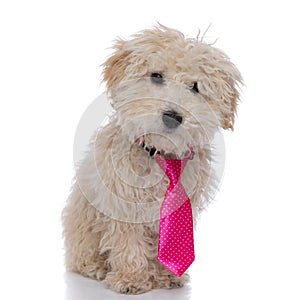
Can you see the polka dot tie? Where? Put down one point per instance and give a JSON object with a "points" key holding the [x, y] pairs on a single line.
{"points": [[176, 240]]}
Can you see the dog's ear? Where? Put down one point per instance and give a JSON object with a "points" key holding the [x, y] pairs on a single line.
{"points": [[227, 83], [114, 67], [231, 99]]}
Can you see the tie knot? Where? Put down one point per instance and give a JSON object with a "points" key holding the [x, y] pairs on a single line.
{"points": [[173, 167], [173, 170]]}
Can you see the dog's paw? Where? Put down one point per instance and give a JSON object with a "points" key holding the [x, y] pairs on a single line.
{"points": [[171, 281], [132, 289], [128, 284], [92, 270]]}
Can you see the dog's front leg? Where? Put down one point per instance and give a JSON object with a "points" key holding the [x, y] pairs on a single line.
{"points": [[129, 257]]}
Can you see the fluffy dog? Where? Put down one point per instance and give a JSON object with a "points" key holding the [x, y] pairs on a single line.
{"points": [[171, 93]]}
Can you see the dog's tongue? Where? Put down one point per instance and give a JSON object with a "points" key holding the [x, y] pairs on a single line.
{"points": [[170, 156]]}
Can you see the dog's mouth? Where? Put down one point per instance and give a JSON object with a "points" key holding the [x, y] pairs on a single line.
{"points": [[153, 151]]}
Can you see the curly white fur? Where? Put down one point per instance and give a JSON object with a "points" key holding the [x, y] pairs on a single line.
{"points": [[111, 221]]}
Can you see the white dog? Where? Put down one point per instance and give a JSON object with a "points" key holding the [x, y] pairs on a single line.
{"points": [[169, 94]]}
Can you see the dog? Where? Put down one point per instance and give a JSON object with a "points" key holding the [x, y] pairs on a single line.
{"points": [[170, 95]]}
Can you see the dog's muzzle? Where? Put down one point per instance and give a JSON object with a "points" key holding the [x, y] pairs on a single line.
{"points": [[172, 119]]}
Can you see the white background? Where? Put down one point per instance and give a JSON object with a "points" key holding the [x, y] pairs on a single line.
{"points": [[248, 242]]}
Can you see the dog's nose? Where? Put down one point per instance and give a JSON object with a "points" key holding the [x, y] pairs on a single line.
{"points": [[172, 119]]}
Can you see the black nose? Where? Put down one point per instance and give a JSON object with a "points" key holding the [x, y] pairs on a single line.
{"points": [[171, 119]]}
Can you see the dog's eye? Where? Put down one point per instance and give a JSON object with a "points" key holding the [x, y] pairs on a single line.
{"points": [[195, 87], [157, 78]]}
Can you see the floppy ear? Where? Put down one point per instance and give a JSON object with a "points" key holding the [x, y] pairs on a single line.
{"points": [[114, 67], [231, 99], [227, 83]]}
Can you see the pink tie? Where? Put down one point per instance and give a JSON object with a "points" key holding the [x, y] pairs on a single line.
{"points": [[176, 241]]}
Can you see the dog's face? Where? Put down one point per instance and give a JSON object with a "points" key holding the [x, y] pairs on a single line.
{"points": [[171, 90]]}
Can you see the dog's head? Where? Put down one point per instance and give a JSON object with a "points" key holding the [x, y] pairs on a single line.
{"points": [[171, 90]]}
